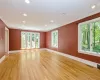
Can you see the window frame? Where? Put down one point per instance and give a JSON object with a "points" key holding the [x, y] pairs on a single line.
{"points": [[80, 38], [52, 38]]}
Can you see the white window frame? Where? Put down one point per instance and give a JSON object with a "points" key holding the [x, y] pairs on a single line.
{"points": [[80, 38], [53, 38], [30, 38]]}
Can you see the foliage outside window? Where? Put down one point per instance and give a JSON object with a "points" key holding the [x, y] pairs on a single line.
{"points": [[89, 37], [54, 36]]}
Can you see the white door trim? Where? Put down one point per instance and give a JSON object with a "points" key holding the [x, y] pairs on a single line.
{"points": [[6, 40]]}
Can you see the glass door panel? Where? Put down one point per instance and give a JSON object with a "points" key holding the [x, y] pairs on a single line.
{"points": [[28, 40], [37, 40], [33, 40], [23, 40]]}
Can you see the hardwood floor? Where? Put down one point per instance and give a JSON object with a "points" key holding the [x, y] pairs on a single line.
{"points": [[43, 65]]}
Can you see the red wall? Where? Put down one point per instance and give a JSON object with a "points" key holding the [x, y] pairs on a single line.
{"points": [[15, 39], [68, 39], [2, 38]]}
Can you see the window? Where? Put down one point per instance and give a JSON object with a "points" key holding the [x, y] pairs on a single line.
{"points": [[54, 37], [89, 37], [30, 40]]}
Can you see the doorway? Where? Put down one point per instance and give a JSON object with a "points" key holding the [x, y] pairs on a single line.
{"points": [[30, 40]]}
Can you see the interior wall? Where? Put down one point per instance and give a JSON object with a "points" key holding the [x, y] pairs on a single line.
{"points": [[2, 38], [15, 39], [68, 39]]}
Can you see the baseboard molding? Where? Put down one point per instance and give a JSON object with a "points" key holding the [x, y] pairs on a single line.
{"points": [[15, 51], [2, 59], [75, 58]]}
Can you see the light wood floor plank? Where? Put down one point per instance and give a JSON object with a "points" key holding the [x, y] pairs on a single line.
{"points": [[43, 65]]}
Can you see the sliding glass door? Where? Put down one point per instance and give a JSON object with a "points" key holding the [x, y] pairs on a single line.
{"points": [[30, 40]]}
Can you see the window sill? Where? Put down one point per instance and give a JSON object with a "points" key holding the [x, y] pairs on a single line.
{"points": [[90, 53]]}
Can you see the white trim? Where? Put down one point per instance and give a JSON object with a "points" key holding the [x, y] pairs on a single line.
{"points": [[2, 59], [90, 21], [89, 53], [15, 51], [94, 64], [7, 40]]}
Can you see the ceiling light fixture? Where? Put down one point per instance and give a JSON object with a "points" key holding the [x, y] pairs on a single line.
{"points": [[24, 14], [24, 21], [27, 1], [51, 21], [45, 25], [93, 7]]}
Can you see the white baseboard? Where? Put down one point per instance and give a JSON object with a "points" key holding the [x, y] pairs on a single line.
{"points": [[2, 58], [15, 51], [75, 58]]}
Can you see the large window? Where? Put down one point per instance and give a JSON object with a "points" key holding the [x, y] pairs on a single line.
{"points": [[89, 37], [30, 40], [54, 36]]}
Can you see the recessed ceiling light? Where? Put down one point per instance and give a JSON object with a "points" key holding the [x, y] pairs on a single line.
{"points": [[27, 1], [24, 14], [24, 21], [93, 7], [52, 21], [45, 25]]}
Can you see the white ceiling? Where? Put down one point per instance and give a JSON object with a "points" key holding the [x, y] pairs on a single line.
{"points": [[41, 12]]}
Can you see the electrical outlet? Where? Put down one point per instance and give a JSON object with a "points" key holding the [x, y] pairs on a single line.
{"points": [[98, 66]]}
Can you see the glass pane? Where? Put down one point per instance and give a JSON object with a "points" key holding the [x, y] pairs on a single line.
{"points": [[23, 40], [96, 37], [55, 39], [28, 40], [37, 40], [33, 40], [85, 37]]}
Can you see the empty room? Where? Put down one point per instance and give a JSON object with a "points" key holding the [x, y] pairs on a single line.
{"points": [[49, 39]]}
